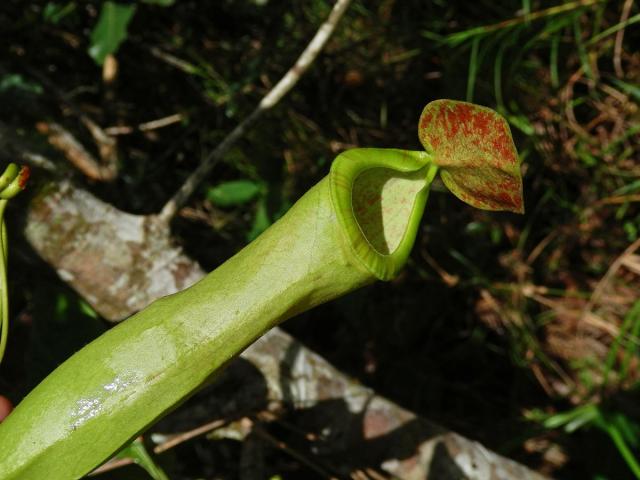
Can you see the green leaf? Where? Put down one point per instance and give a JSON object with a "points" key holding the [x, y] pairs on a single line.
{"points": [[111, 30], [236, 192], [473, 147]]}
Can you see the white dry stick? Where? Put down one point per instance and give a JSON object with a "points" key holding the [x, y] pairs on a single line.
{"points": [[146, 126], [286, 83]]}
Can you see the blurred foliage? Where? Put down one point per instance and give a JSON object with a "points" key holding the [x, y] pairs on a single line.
{"points": [[498, 315], [233, 193], [111, 30]]}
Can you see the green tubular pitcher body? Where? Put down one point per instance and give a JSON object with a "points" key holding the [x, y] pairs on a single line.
{"points": [[112, 389]]}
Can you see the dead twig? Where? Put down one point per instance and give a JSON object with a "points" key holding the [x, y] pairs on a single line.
{"points": [[146, 126], [540, 247], [567, 96], [107, 146], [617, 49], [618, 200], [286, 83], [37, 160], [606, 279], [292, 453], [183, 437], [449, 279], [75, 152], [174, 61], [112, 464]]}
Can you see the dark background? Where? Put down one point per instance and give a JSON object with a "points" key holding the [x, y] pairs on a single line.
{"points": [[483, 332]]}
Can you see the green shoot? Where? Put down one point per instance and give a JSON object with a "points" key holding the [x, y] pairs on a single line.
{"points": [[12, 181]]}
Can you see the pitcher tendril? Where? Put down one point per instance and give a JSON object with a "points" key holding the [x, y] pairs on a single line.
{"points": [[12, 181]]}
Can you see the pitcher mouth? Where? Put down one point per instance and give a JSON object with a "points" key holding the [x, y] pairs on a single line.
{"points": [[379, 197]]}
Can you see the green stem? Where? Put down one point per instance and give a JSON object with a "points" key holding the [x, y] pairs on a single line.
{"points": [[140, 456], [4, 296], [624, 450]]}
